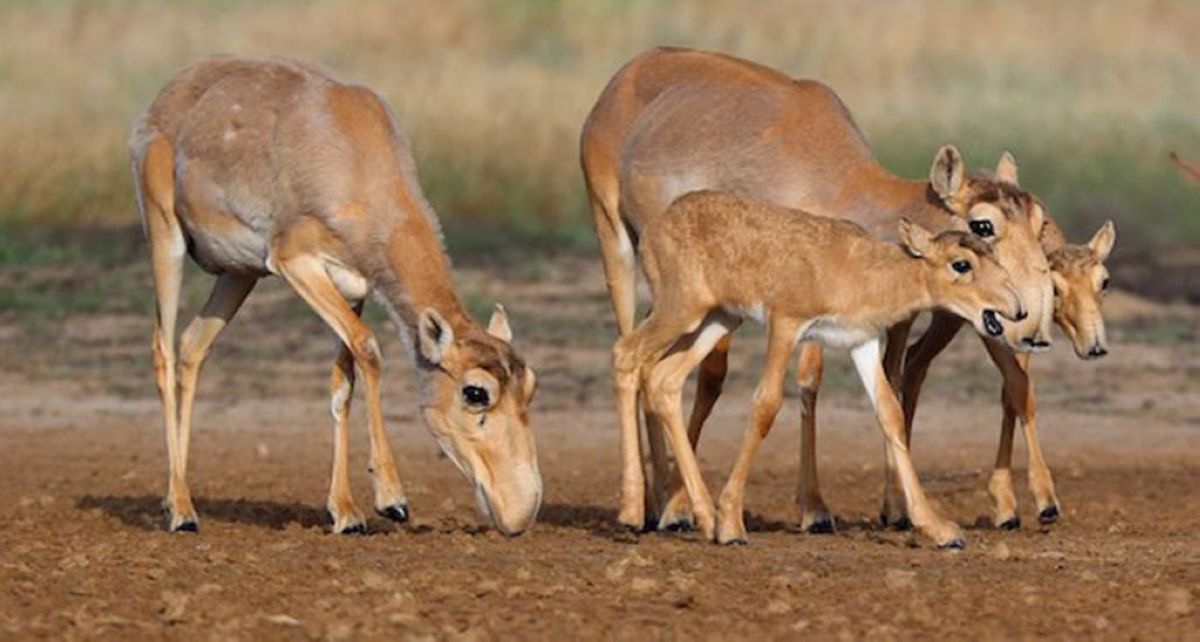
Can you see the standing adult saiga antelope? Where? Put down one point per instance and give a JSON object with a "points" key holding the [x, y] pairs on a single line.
{"points": [[675, 120], [261, 167]]}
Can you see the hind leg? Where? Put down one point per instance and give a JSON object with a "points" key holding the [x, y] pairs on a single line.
{"points": [[664, 379], [710, 381], [226, 298], [618, 256], [155, 187]]}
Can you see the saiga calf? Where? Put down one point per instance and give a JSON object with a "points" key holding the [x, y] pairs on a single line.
{"points": [[713, 259]]}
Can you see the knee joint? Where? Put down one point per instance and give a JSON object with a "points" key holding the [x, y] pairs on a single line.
{"points": [[367, 354]]}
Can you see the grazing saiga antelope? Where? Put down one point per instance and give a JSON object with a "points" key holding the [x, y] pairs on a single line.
{"points": [[676, 120], [260, 167], [713, 259]]}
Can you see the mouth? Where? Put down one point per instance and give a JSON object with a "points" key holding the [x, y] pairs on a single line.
{"points": [[1033, 344], [991, 323], [485, 506]]}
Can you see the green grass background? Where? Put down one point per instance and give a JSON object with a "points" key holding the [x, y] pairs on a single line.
{"points": [[1089, 95]]}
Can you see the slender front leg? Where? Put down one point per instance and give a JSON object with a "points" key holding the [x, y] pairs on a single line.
{"points": [[1000, 487], [307, 275], [664, 394], [916, 362], [891, 421], [814, 516], [767, 399], [710, 380], [346, 516], [893, 361], [1021, 403]]}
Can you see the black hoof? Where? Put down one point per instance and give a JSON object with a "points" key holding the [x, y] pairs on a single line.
{"points": [[956, 544], [187, 527], [903, 524], [396, 512], [741, 541], [822, 527], [678, 526], [357, 529], [1049, 515], [1011, 524]]}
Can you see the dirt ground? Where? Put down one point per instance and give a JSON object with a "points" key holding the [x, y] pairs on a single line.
{"points": [[83, 553]]}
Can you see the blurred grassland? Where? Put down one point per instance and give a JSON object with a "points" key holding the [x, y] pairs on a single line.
{"points": [[1090, 95]]}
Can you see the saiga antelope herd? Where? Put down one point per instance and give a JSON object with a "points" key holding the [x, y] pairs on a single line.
{"points": [[742, 193]]}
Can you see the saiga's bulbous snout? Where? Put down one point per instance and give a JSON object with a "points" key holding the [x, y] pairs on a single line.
{"points": [[513, 504]]}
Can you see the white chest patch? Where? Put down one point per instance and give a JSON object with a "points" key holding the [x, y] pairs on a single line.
{"points": [[349, 282], [830, 332]]}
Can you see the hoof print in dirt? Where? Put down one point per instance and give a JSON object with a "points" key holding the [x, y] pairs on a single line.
{"points": [[396, 512], [1049, 515], [1011, 524]]}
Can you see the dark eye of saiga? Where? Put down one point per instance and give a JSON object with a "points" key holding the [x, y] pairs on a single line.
{"points": [[960, 266], [475, 396], [983, 228]]}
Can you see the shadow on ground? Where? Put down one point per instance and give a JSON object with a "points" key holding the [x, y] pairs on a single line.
{"points": [[146, 511]]}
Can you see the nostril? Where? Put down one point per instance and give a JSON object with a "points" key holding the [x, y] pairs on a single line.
{"points": [[1097, 351], [1022, 314]]}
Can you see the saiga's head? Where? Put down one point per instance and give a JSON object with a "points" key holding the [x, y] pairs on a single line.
{"points": [[964, 278], [476, 405], [1080, 283], [995, 210]]}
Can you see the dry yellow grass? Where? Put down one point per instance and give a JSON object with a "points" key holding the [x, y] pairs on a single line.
{"points": [[1089, 94]]}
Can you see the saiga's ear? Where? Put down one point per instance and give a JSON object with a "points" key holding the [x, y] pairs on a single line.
{"points": [[1006, 169], [498, 325], [916, 239], [435, 337], [1103, 240], [947, 175]]}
